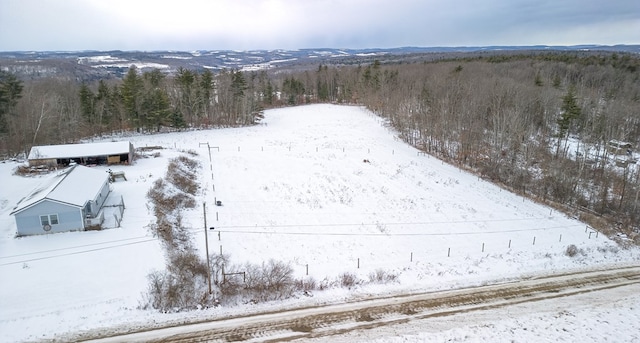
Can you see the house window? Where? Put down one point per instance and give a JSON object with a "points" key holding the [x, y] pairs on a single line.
{"points": [[50, 219]]}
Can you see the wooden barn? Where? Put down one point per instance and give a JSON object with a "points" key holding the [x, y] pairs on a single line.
{"points": [[71, 200], [54, 156], [620, 148]]}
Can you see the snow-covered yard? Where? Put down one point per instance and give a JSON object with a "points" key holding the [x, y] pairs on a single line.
{"points": [[328, 189]]}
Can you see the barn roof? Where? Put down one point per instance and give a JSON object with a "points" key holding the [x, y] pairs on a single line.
{"points": [[78, 150], [73, 186]]}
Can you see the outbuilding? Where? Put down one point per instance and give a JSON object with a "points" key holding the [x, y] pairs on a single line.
{"points": [[620, 148], [54, 156], [71, 200]]}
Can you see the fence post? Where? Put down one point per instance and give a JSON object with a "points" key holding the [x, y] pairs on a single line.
{"points": [[560, 238], [307, 269], [358, 262], [534, 240], [411, 260], [221, 250], [509, 244], [449, 252], [482, 247]]}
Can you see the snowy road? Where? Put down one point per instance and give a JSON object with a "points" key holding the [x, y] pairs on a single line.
{"points": [[338, 319]]}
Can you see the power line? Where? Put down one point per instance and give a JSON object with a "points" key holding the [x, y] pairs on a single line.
{"points": [[222, 229], [73, 247], [76, 252]]}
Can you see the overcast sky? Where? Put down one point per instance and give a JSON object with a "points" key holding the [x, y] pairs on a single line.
{"points": [[27, 25]]}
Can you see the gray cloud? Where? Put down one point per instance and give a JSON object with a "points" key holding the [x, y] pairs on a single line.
{"points": [[290, 24]]}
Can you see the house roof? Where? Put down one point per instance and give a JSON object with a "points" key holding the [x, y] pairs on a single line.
{"points": [[73, 186], [78, 150]]}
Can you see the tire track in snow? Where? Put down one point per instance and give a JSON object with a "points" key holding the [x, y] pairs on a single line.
{"points": [[288, 325]]}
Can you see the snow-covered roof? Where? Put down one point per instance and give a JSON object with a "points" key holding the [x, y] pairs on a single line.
{"points": [[78, 150], [73, 186]]}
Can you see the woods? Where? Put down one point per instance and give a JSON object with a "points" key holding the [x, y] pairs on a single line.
{"points": [[537, 123]]}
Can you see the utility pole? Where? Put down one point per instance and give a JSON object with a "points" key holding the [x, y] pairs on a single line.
{"points": [[206, 243]]}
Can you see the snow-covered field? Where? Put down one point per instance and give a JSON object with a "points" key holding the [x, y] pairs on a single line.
{"points": [[328, 189]]}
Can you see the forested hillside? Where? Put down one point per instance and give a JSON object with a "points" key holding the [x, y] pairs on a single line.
{"points": [[521, 120]]}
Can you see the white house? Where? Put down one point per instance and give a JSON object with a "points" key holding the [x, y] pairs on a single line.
{"points": [[69, 201]]}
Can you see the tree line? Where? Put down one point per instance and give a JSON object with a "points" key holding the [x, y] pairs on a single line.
{"points": [[521, 120]]}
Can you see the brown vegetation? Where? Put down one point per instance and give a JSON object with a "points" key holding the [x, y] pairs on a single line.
{"points": [[507, 117]]}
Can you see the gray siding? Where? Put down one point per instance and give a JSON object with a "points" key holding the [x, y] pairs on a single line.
{"points": [[69, 218], [100, 198]]}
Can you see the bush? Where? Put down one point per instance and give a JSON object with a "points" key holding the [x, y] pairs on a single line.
{"points": [[166, 199], [181, 172], [171, 292], [382, 277], [270, 281], [306, 285], [183, 285], [348, 280], [187, 263], [255, 283], [572, 250]]}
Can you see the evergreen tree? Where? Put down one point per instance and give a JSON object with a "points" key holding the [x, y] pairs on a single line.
{"points": [[10, 93], [103, 104], [570, 112], [187, 101], [156, 107], [131, 91], [87, 103], [238, 85], [206, 92]]}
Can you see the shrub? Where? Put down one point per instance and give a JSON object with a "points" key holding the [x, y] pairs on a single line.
{"points": [[166, 199], [271, 281], [348, 280], [572, 250], [306, 285], [183, 285], [187, 263], [181, 172], [170, 292], [382, 277], [254, 283]]}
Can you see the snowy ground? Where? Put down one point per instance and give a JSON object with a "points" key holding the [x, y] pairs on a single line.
{"points": [[606, 316], [326, 188]]}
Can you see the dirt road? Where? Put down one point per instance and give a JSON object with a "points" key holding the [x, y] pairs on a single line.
{"points": [[340, 318]]}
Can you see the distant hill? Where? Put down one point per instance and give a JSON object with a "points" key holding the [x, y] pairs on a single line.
{"points": [[89, 65]]}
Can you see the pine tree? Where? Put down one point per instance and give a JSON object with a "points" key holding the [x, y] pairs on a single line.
{"points": [[131, 91], [10, 93], [570, 112], [156, 107], [87, 103]]}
